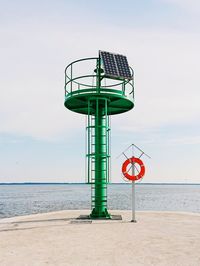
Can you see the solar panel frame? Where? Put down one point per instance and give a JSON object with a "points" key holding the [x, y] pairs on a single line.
{"points": [[115, 65], [109, 64]]}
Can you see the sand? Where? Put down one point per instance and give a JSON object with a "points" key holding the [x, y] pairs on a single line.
{"points": [[57, 238]]}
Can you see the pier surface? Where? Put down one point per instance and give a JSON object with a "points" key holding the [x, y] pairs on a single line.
{"points": [[58, 238]]}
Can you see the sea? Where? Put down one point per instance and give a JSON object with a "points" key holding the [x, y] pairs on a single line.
{"points": [[24, 199]]}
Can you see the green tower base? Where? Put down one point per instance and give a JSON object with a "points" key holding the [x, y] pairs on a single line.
{"points": [[100, 214]]}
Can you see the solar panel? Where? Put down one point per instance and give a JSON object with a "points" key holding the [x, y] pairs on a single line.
{"points": [[123, 67], [115, 65], [110, 67]]}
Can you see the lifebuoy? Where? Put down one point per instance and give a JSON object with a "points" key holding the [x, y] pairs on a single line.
{"points": [[133, 177]]}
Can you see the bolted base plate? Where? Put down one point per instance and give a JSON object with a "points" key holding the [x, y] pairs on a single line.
{"points": [[98, 214], [133, 221], [88, 217]]}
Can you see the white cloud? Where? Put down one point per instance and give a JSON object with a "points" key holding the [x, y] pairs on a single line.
{"points": [[189, 5], [36, 49], [191, 140], [166, 68], [167, 80]]}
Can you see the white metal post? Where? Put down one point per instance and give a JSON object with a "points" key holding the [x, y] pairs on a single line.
{"points": [[133, 202], [133, 195], [133, 191]]}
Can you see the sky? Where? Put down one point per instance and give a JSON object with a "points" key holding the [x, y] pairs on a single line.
{"points": [[42, 141]]}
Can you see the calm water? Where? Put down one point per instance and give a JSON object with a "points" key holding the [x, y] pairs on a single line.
{"points": [[26, 199]]}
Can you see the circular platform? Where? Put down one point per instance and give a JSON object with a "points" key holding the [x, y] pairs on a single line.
{"points": [[86, 83], [77, 101]]}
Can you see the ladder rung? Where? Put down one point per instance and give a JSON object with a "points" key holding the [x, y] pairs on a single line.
{"points": [[93, 179], [99, 183]]}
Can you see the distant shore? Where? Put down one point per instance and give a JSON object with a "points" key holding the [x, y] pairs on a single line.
{"points": [[58, 238], [63, 183]]}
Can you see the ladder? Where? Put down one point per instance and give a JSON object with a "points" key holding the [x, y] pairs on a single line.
{"points": [[98, 153]]}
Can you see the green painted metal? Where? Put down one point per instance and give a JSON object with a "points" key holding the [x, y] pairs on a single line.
{"points": [[98, 156], [98, 102]]}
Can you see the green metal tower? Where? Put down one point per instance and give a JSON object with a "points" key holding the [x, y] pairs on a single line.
{"points": [[99, 87]]}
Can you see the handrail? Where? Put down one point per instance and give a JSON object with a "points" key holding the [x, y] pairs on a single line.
{"points": [[78, 83], [93, 90], [82, 59], [92, 76], [69, 79]]}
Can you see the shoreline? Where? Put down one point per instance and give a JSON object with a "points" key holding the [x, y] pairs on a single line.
{"points": [[58, 238], [63, 183], [87, 211]]}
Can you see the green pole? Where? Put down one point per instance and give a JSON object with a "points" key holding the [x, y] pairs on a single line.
{"points": [[101, 156], [100, 183]]}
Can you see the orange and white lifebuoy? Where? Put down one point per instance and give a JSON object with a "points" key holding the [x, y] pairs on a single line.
{"points": [[132, 161]]}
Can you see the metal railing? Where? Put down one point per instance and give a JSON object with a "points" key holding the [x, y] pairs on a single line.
{"points": [[87, 83]]}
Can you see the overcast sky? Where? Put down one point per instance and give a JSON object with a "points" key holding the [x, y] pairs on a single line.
{"points": [[41, 141]]}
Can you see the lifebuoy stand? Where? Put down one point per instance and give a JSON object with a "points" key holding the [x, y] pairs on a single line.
{"points": [[133, 177]]}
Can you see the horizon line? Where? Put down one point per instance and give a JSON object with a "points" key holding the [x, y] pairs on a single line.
{"points": [[83, 183]]}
